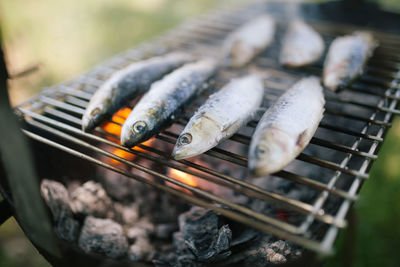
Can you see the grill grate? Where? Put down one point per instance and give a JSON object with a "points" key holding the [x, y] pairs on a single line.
{"points": [[340, 155]]}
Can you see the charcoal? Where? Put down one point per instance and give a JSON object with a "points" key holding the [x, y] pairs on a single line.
{"points": [[67, 228], [92, 199], [165, 255], [203, 235], [142, 229], [126, 214], [57, 199], [103, 236], [165, 230], [265, 253], [141, 250], [117, 186], [184, 257], [165, 208], [246, 235]]}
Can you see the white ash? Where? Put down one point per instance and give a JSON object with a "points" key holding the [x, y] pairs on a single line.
{"points": [[57, 199], [91, 199], [139, 236], [126, 214], [141, 250], [103, 236], [268, 253], [142, 229]]}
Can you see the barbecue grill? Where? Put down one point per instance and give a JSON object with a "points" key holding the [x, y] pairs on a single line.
{"points": [[338, 158]]}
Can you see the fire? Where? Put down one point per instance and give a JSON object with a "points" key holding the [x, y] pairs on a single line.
{"points": [[120, 116], [128, 155], [182, 177]]}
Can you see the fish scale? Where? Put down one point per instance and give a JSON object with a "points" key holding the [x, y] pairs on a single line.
{"points": [[126, 84], [286, 127], [164, 99], [222, 115]]}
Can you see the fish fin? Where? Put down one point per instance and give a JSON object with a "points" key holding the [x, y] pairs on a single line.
{"points": [[300, 138]]}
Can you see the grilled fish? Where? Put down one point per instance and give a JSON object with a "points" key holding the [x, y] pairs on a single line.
{"points": [[243, 44], [286, 127], [163, 99], [222, 115], [302, 45], [126, 84], [346, 58]]}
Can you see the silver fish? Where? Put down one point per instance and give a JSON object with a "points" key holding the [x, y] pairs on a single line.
{"points": [[126, 84], [286, 127], [163, 99], [222, 115], [302, 45], [346, 59], [243, 44]]}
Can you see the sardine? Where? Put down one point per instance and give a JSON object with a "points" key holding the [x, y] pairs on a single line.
{"points": [[346, 59], [302, 45], [222, 115], [243, 44], [164, 98], [126, 84], [286, 127]]}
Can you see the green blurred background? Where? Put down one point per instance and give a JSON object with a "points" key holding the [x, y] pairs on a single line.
{"points": [[67, 37]]}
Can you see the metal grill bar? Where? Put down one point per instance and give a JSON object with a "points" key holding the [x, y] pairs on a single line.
{"points": [[57, 111]]}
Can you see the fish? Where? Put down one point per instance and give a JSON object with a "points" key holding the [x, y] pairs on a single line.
{"points": [[243, 44], [165, 97], [302, 45], [286, 127], [126, 84], [346, 59], [221, 116]]}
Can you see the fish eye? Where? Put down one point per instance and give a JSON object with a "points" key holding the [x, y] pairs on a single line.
{"points": [[185, 139], [260, 150], [139, 127], [95, 111]]}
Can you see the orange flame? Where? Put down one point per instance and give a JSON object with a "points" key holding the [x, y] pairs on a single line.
{"points": [[182, 177], [119, 117], [113, 128]]}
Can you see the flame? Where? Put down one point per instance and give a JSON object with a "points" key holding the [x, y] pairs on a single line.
{"points": [[182, 177], [120, 117], [128, 155]]}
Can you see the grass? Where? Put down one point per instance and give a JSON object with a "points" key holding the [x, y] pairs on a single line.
{"points": [[68, 37]]}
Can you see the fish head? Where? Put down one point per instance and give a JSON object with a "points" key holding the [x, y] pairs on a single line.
{"points": [[199, 135], [134, 132], [331, 80], [270, 153], [93, 116]]}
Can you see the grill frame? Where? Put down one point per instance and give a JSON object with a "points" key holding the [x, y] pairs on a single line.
{"points": [[214, 24]]}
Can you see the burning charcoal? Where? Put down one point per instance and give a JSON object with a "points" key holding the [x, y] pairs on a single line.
{"points": [[203, 236], [126, 214], [91, 199], [103, 236], [141, 250], [57, 199]]}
